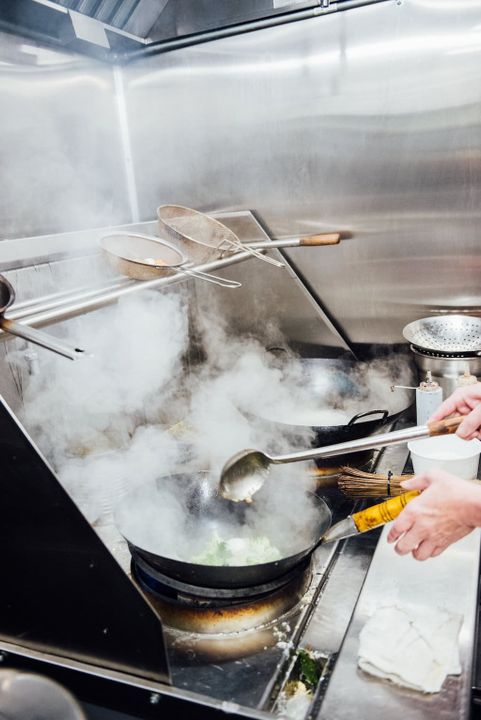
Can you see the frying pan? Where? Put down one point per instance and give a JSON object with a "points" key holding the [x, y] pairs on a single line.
{"points": [[139, 519]]}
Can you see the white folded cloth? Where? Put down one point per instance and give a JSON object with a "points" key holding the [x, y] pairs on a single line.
{"points": [[412, 646]]}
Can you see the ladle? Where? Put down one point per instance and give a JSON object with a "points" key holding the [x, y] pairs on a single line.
{"points": [[7, 298], [245, 473]]}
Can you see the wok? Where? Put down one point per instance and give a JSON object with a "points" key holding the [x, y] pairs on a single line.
{"points": [[333, 382], [200, 509]]}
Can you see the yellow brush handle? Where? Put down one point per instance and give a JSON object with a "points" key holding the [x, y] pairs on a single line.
{"points": [[380, 514]]}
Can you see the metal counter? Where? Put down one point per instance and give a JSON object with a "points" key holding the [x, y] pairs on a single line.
{"points": [[449, 581]]}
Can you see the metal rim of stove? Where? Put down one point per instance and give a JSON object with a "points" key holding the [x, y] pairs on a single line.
{"points": [[142, 572]]}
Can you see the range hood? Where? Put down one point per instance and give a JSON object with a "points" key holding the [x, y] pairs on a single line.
{"points": [[121, 30]]}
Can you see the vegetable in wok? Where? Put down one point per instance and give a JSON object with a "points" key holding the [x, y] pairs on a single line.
{"points": [[237, 551]]}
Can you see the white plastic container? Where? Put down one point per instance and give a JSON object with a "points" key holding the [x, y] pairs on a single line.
{"points": [[446, 452]]}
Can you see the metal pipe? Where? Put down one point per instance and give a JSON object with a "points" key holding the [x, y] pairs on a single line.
{"points": [[78, 305], [30, 307], [39, 338], [49, 302], [63, 294], [373, 441], [162, 46]]}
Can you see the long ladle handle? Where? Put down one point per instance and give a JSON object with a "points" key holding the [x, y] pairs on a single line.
{"points": [[252, 250], [307, 241], [42, 339], [321, 239], [442, 427], [222, 282]]}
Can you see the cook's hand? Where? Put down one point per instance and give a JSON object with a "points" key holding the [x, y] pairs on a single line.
{"points": [[464, 401], [447, 510]]}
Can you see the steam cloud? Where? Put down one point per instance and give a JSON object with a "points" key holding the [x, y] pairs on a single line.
{"points": [[106, 422]]}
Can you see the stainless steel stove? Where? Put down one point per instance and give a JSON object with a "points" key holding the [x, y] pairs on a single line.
{"points": [[95, 626]]}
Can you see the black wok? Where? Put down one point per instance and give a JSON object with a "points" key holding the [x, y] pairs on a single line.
{"points": [[333, 383], [199, 507], [358, 426]]}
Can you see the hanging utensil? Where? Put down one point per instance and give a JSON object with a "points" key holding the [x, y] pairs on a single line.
{"points": [[318, 240], [200, 236], [75, 304], [47, 302], [143, 257], [245, 473], [7, 298]]}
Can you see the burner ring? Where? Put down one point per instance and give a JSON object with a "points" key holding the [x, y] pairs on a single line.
{"points": [[227, 616], [152, 580]]}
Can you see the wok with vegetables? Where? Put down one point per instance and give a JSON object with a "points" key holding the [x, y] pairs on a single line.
{"points": [[182, 528]]}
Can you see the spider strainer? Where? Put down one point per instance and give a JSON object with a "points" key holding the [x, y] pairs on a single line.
{"points": [[200, 236], [446, 333]]}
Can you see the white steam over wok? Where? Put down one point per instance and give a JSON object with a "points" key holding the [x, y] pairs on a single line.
{"points": [[106, 423]]}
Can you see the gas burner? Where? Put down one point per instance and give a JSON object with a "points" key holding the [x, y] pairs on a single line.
{"points": [[210, 610]]}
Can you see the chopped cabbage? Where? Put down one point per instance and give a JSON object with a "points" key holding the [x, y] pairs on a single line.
{"points": [[238, 552]]}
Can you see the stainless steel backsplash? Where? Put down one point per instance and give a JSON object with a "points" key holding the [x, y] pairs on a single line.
{"points": [[366, 121]]}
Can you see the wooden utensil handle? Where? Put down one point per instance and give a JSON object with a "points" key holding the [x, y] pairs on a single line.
{"points": [[382, 513], [322, 239], [445, 427]]}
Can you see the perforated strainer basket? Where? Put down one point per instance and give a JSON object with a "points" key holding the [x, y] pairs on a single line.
{"points": [[446, 334]]}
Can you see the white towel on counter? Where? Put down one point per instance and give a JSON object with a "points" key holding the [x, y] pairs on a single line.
{"points": [[415, 647]]}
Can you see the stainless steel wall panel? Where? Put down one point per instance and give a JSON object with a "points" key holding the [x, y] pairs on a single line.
{"points": [[366, 121], [61, 159]]}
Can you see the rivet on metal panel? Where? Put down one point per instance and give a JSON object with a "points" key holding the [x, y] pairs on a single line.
{"points": [[154, 698], [31, 359]]}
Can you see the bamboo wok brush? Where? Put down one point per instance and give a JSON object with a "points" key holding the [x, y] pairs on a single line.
{"points": [[356, 483]]}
